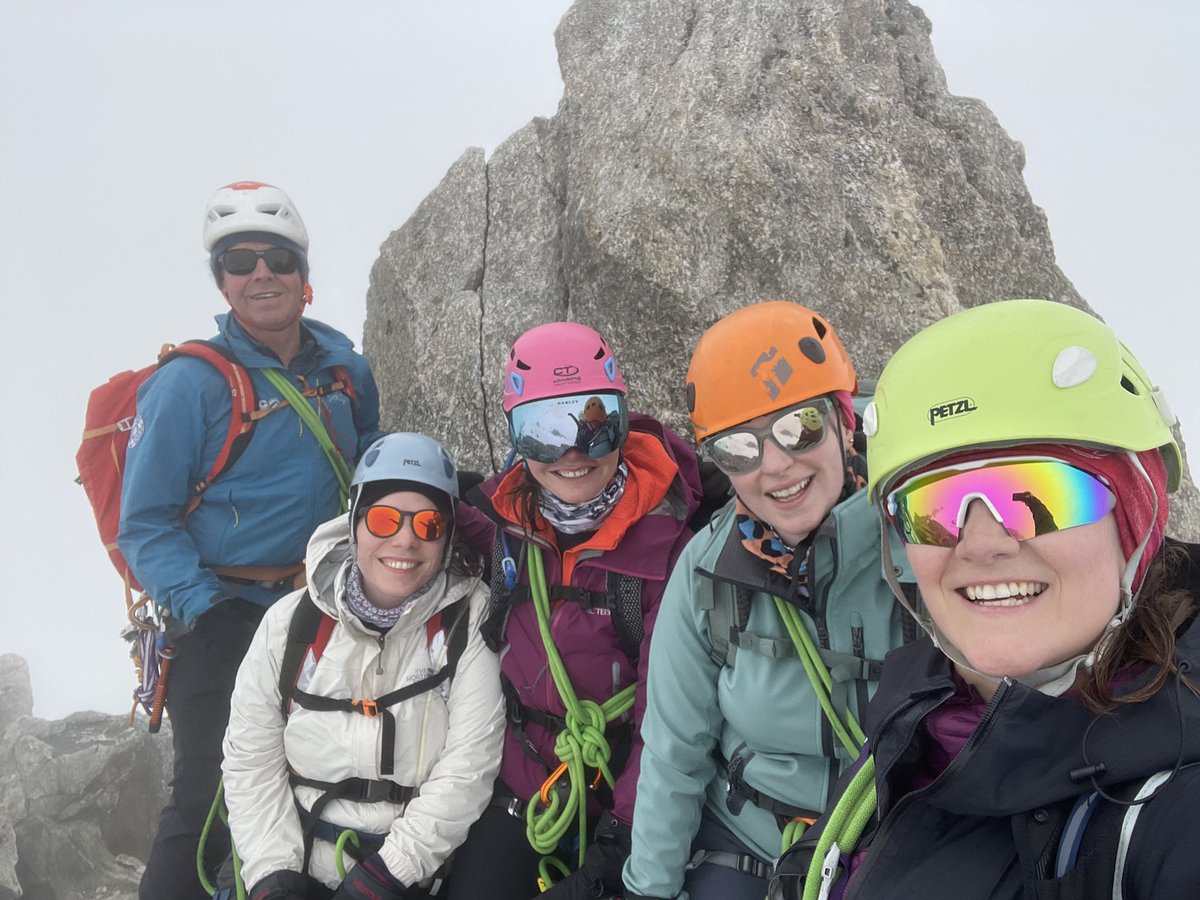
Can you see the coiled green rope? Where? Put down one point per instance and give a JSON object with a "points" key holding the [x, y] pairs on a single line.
{"points": [[580, 745]]}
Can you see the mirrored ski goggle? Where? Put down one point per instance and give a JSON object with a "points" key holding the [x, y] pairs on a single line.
{"points": [[595, 424], [242, 261], [1029, 497], [795, 430], [386, 521]]}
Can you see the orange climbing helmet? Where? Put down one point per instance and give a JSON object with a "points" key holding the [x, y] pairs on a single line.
{"points": [[762, 358]]}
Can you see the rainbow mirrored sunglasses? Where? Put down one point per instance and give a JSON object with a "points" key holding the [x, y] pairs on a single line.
{"points": [[795, 430], [1028, 496]]}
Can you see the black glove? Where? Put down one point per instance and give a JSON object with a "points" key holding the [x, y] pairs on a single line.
{"points": [[370, 880], [600, 874], [281, 885]]}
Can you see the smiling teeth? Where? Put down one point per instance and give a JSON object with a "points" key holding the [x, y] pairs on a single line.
{"points": [[572, 473], [1012, 593], [789, 493], [401, 566]]}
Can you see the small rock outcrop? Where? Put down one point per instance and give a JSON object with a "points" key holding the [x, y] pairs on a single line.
{"points": [[79, 798], [707, 154]]}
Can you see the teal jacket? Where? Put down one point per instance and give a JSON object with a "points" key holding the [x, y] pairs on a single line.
{"points": [[757, 716]]}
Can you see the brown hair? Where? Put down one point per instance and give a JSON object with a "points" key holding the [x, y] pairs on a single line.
{"points": [[527, 498], [464, 559], [1146, 639]]}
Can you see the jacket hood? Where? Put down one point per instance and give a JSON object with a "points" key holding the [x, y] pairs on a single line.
{"points": [[1027, 744], [327, 563]]}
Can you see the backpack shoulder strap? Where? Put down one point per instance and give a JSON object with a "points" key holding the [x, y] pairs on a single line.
{"points": [[625, 604], [304, 631], [727, 617], [241, 393], [1081, 850], [458, 615], [503, 570]]}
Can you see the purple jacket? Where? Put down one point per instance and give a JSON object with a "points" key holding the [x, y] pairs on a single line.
{"points": [[642, 537]]}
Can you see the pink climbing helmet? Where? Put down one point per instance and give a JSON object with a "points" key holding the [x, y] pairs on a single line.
{"points": [[562, 392], [559, 358]]}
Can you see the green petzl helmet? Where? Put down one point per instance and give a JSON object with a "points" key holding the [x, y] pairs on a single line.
{"points": [[1009, 373]]}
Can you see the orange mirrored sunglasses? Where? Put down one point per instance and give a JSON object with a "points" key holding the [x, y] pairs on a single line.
{"points": [[386, 521]]}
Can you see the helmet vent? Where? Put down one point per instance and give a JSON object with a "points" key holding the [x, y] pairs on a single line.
{"points": [[1073, 366], [819, 327], [691, 396], [870, 420], [812, 349], [1128, 385], [599, 354], [523, 366]]}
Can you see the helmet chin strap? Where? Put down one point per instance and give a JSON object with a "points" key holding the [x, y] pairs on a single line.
{"points": [[1053, 680]]}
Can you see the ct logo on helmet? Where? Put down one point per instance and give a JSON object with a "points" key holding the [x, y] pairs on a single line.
{"points": [[950, 409], [776, 376], [566, 371]]}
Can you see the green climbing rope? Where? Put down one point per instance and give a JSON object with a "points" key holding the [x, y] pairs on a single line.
{"points": [[580, 745], [215, 811], [309, 417], [843, 827], [846, 729]]}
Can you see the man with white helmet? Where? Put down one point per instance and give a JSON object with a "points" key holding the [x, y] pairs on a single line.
{"points": [[214, 557]]}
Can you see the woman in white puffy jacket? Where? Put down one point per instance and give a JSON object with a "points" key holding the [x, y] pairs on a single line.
{"points": [[394, 716]]}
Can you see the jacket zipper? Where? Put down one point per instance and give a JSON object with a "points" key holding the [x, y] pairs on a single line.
{"points": [[892, 819]]}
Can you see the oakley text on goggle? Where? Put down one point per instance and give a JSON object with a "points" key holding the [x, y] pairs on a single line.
{"points": [[242, 261], [795, 430], [386, 521], [593, 424], [1028, 496]]}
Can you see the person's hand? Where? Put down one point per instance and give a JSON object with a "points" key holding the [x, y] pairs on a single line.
{"points": [[281, 885], [600, 874], [370, 880]]}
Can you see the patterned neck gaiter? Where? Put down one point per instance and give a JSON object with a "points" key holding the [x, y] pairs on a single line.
{"points": [[761, 539], [368, 612], [572, 518]]}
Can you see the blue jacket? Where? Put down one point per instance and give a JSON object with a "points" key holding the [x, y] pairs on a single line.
{"points": [[263, 509]]}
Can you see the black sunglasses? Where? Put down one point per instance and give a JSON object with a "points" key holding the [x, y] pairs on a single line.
{"points": [[243, 261]]}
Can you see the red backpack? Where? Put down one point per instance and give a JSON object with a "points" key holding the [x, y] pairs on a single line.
{"points": [[112, 414]]}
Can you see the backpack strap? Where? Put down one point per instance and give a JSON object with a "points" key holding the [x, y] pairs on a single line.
{"points": [[304, 631], [458, 615], [624, 601], [1078, 850], [242, 398], [622, 597], [727, 619]]}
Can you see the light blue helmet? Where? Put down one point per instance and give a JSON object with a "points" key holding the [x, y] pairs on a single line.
{"points": [[405, 456]]}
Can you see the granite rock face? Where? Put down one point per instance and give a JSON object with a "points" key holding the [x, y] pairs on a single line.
{"points": [[79, 799], [707, 154]]}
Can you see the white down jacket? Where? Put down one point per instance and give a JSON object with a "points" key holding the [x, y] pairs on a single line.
{"points": [[447, 742]]}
